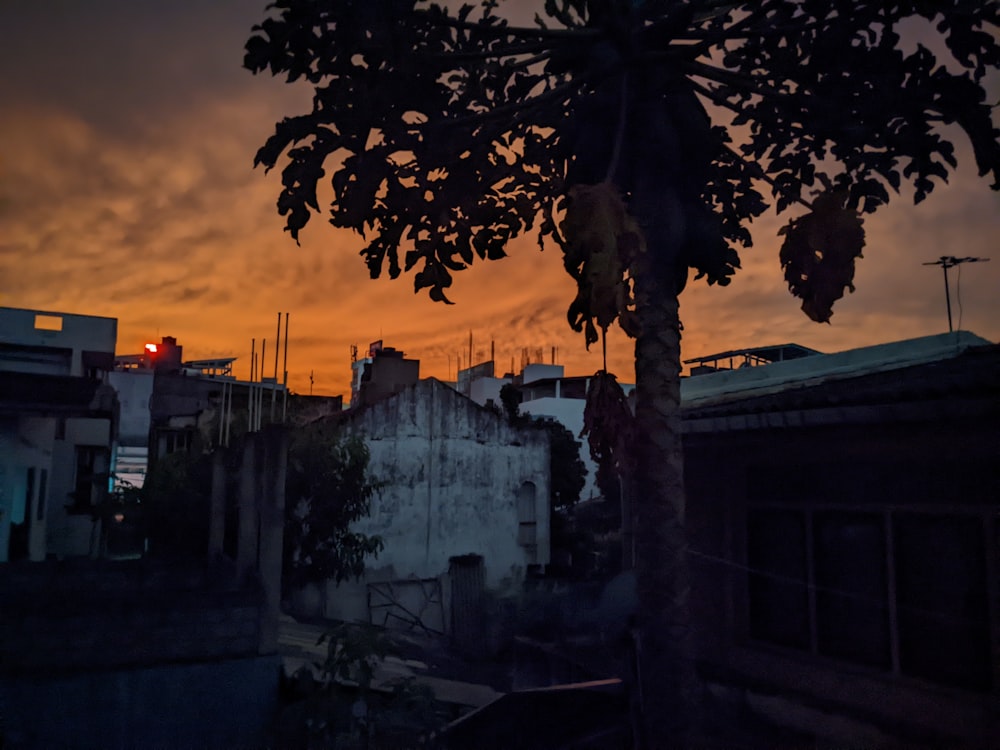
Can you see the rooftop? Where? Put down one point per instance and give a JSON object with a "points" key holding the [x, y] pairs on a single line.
{"points": [[748, 382]]}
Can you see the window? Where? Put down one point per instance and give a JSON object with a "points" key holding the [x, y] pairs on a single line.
{"points": [[527, 535], [942, 599], [900, 591], [91, 476], [177, 441], [852, 616], [776, 552], [29, 494], [48, 322], [43, 479]]}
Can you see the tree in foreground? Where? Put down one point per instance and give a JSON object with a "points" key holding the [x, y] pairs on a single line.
{"points": [[641, 137], [327, 488]]}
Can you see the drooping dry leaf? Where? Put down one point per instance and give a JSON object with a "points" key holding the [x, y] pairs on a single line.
{"points": [[600, 240], [818, 254]]}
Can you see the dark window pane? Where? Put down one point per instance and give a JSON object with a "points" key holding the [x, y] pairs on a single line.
{"points": [[852, 617], [43, 480], [776, 554], [942, 599]]}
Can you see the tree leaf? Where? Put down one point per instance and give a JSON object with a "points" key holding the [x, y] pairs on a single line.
{"points": [[819, 253]]}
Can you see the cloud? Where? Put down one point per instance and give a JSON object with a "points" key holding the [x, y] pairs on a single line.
{"points": [[127, 189]]}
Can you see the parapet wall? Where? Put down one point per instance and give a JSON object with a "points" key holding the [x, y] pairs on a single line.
{"points": [[100, 614]]}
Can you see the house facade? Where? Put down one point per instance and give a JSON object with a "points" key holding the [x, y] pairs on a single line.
{"points": [[845, 541], [58, 422], [464, 494]]}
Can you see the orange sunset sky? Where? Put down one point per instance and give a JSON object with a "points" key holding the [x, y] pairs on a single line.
{"points": [[127, 135]]}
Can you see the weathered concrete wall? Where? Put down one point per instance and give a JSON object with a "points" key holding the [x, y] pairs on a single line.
{"points": [[452, 473]]}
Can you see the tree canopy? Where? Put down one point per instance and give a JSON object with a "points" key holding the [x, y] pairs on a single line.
{"points": [[642, 137], [446, 133]]}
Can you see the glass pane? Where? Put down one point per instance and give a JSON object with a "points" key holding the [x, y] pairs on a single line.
{"points": [[776, 554], [942, 603], [852, 614]]}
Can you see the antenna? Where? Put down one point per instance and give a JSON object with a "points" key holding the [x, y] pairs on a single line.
{"points": [[946, 262]]}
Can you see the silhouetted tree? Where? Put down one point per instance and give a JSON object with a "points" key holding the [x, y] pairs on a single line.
{"points": [[650, 128], [567, 473]]}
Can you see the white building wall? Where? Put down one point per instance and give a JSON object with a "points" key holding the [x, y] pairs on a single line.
{"points": [[26, 443], [484, 390], [569, 413], [76, 333], [452, 472]]}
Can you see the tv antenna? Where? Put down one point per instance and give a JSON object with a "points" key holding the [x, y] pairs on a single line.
{"points": [[946, 262]]}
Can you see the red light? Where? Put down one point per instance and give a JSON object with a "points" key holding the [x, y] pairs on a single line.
{"points": [[151, 348]]}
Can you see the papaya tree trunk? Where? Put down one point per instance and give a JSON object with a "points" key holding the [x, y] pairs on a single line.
{"points": [[665, 643]]}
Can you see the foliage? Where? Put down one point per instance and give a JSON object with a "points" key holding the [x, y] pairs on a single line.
{"points": [[610, 430], [819, 252], [175, 496], [448, 133], [327, 488], [345, 708], [600, 241], [568, 473], [354, 651]]}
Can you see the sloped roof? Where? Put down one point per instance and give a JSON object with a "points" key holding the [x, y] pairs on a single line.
{"points": [[913, 383], [719, 387]]}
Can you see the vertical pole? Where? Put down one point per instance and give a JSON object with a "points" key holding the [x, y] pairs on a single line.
{"points": [[274, 388], [947, 293], [253, 372], [217, 515], [246, 546], [271, 512], [284, 381], [229, 411], [222, 414], [260, 392]]}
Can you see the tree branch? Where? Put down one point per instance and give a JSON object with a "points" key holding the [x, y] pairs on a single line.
{"points": [[730, 78], [503, 30], [516, 108]]}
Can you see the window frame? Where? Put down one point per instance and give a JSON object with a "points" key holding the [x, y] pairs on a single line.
{"points": [[989, 524]]}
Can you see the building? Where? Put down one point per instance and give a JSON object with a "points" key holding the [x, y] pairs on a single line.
{"points": [[170, 405], [465, 498], [58, 427], [544, 391], [842, 517], [383, 372]]}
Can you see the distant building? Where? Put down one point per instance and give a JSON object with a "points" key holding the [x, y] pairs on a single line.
{"points": [[383, 372], [752, 357], [170, 405], [58, 427], [544, 392]]}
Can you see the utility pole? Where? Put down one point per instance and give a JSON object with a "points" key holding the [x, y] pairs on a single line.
{"points": [[946, 262]]}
